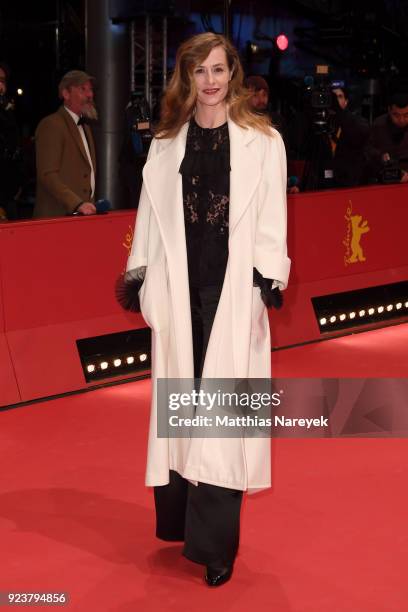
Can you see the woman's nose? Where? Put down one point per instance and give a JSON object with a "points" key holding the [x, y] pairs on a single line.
{"points": [[210, 77]]}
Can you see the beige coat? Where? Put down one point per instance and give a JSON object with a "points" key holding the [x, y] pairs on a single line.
{"points": [[239, 345], [63, 169]]}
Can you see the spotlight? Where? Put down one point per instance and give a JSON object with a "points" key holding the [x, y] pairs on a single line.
{"points": [[390, 307], [332, 319], [352, 315], [117, 362], [371, 311], [361, 313], [323, 321], [282, 42], [342, 317], [380, 309], [20, 91], [104, 365], [142, 357], [398, 306], [406, 304], [130, 360], [90, 368]]}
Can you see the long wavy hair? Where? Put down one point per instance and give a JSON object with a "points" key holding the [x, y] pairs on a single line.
{"points": [[179, 99]]}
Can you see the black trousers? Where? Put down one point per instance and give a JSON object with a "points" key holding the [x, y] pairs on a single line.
{"points": [[206, 517]]}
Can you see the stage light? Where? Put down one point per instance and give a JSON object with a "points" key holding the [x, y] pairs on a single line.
{"points": [[282, 42], [114, 355], [371, 306], [20, 91], [142, 357]]}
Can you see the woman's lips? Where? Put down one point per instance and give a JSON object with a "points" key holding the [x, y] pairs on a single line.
{"points": [[210, 91]]}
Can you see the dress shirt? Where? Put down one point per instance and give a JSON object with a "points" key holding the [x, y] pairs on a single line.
{"points": [[75, 117]]}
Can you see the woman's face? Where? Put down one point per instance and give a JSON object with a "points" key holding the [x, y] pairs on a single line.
{"points": [[212, 77]]}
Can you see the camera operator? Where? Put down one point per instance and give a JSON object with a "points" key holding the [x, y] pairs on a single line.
{"points": [[10, 152], [330, 138], [388, 146]]}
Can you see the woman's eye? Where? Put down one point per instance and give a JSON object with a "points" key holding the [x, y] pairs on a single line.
{"points": [[219, 70], [198, 70]]}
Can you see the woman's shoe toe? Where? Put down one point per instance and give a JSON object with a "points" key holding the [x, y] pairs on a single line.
{"points": [[217, 577]]}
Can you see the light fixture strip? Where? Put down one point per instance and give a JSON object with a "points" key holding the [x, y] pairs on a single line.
{"points": [[362, 313], [116, 362]]}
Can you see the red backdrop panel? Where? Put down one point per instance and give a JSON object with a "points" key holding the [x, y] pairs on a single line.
{"points": [[62, 270], [320, 231], [58, 279], [58, 276], [9, 392], [323, 234]]}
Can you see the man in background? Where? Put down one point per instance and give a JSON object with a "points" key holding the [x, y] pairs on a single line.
{"points": [[260, 102], [65, 151], [348, 141], [388, 147]]}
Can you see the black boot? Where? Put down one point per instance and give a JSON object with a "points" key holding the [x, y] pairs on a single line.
{"points": [[216, 576]]}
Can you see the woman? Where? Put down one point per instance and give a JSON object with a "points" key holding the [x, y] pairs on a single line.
{"points": [[212, 213]]}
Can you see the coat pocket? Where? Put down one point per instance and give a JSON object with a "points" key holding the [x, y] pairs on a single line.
{"points": [[154, 298], [259, 314]]}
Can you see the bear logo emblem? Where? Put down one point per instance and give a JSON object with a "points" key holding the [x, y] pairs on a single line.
{"points": [[356, 227]]}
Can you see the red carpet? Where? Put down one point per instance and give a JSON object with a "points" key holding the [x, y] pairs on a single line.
{"points": [[331, 535]]}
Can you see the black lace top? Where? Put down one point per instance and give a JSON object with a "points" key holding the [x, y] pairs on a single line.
{"points": [[206, 184]]}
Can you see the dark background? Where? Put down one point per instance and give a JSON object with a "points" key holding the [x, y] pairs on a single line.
{"points": [[365, 43]]}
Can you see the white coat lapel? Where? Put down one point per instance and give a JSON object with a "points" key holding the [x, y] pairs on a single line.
{"points": [[165, 188], [164, 185], [245, 171]]}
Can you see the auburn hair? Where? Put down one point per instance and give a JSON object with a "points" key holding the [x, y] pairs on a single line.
{"points": [[179, 99]]}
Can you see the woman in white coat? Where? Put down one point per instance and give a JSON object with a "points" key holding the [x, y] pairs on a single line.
{"points": [[211, 218]]}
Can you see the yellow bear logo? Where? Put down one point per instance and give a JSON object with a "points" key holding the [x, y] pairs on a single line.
{"points": [[357, 229], [128, 240]]}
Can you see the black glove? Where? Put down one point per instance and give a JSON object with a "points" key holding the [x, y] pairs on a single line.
{"points": [[127, 289], [270, 297]]}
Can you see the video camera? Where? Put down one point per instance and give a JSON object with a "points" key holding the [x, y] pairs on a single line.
{"points": [[391, 171], [138, 122], [322, 101]]}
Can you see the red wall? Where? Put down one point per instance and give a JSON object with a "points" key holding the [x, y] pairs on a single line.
{"points": [[318, 231], [57, 280]]}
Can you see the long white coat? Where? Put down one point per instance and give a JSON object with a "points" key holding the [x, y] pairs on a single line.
{"points": [[239, 344]]}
